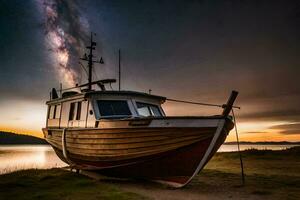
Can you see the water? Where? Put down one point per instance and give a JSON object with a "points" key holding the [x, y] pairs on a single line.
{"points": [[233, 147], [19, 157]]}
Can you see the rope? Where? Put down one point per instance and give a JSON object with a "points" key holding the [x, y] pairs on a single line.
{"points": [[201, 104], [196, 103], [95, 73], [86, 72], [97, 78], [238, 144]]}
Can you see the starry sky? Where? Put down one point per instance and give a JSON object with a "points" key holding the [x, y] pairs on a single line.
{"points": [[192, 50]]}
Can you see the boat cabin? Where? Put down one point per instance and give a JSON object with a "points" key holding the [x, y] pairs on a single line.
{"points": [[86, 109]]}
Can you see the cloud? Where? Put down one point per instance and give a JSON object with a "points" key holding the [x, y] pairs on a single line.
{"points": [[256, 132], [291, 132], [288, 129], [276, 115]]}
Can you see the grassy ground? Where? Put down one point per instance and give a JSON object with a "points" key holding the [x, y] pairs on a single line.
{"points": [[269, 175], [57, 184]]}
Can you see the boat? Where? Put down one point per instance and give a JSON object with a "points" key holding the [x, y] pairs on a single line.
{"points": [[126, 134]]}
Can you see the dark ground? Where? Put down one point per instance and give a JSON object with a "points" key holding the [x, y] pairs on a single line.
{"points": [[269, 175]]}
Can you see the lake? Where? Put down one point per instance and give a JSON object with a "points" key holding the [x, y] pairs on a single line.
{"points": [[19, 157]]}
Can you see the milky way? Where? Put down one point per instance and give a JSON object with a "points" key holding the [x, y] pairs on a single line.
{"points": [[65, 33]]}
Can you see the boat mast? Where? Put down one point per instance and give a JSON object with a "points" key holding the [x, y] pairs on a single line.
{"points": [[90, 61]]}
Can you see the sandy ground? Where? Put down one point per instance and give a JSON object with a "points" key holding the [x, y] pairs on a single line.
{"points": [[194, 191]]}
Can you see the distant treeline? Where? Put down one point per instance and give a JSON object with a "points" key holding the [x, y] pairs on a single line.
{"points": [[13, 138], [269, 143]]}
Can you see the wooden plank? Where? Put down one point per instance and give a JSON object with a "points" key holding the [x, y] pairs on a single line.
{"points": [[127, 140], [114, 151], [130, 134], [92, 156], [129, 143], [131, 130], [119, 146]]}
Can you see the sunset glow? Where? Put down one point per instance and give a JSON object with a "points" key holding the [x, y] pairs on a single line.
{"points": [[30, 117]]}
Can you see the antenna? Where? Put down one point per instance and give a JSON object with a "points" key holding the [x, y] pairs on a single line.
{"points": [[60, 89], [119, 69], [89, 59]]}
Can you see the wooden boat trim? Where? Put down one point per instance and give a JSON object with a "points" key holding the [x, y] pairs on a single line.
{"points": [[64, 146], [209, 150], [204, 159], [176, 122]]}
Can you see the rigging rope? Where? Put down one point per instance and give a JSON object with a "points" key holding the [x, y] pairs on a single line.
{"points": [[86, 72], [238, 145], [95, 73], [200, 103]]}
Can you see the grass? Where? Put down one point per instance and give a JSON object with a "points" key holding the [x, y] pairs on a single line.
{"points": [[265, 162], [57, 184], [269, 175]]}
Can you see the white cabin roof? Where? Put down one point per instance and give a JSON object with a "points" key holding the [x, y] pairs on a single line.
{"points": [[90, 94]]}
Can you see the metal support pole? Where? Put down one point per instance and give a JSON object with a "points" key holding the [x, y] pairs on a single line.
{"points": [[119, 69], [238, 144]]}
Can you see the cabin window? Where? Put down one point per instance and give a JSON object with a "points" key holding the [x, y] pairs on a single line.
{"points": [[72, 111], [113, 108], [51, 112], [57, 111], [145, 109], [84, 107], [78, 110], [75, 111], [54, 112]]}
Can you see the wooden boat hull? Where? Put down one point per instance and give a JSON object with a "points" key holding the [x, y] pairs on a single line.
{"points": [[173, 155]]}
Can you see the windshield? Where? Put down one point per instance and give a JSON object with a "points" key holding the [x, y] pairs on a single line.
{"points": [[145, 109], [113, 108]]}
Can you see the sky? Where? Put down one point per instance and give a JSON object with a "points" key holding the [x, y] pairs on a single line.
{"points": [[191, 50]]}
